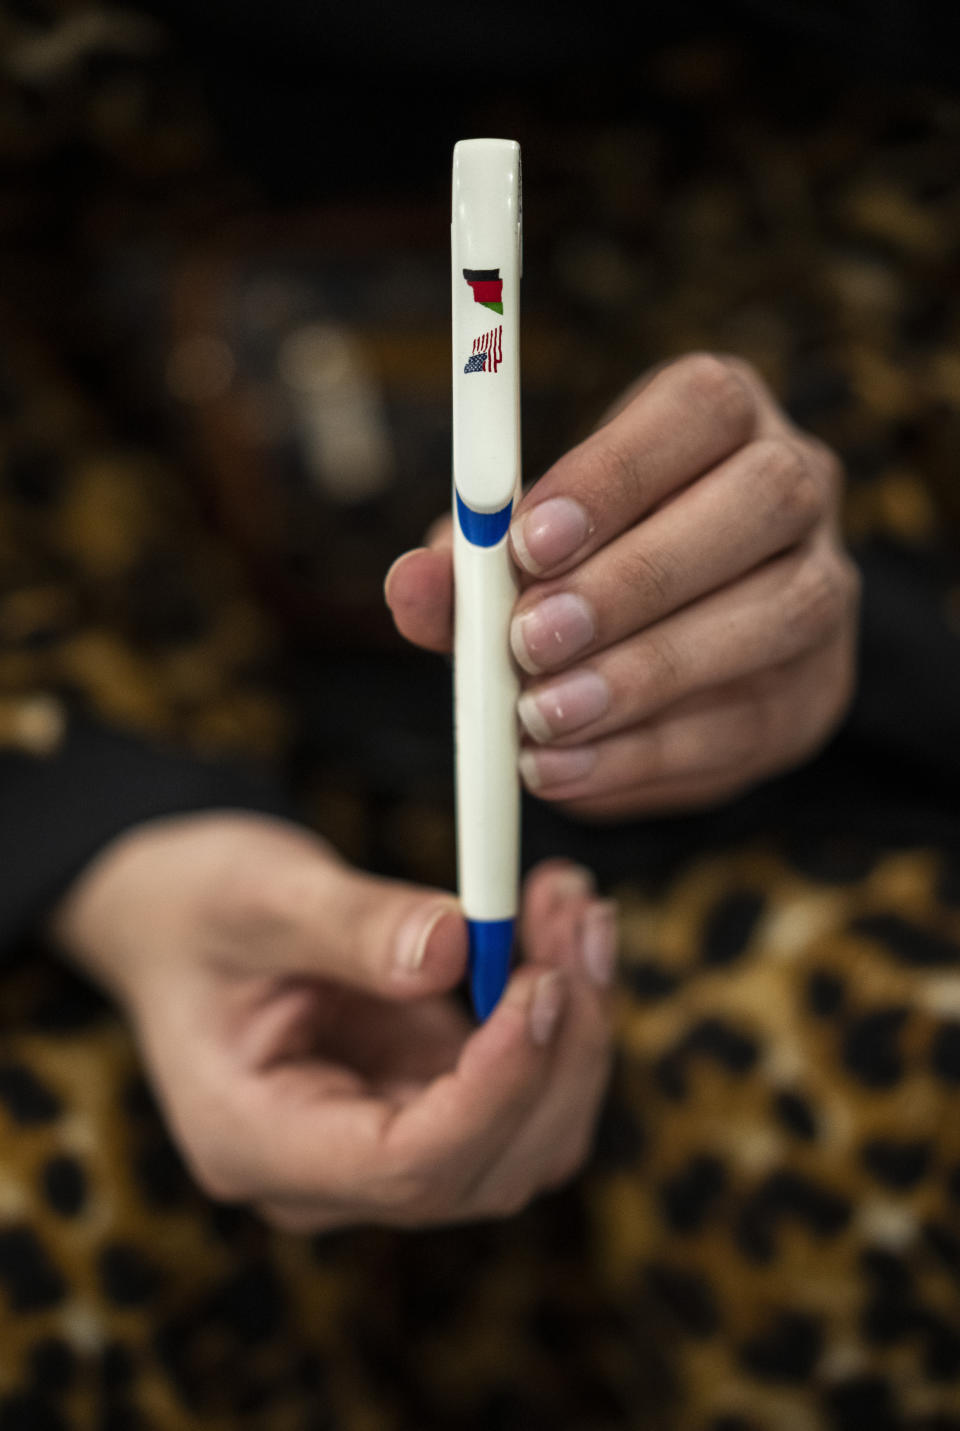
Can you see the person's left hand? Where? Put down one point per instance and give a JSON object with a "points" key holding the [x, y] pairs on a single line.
{"points": [[687, 616]]}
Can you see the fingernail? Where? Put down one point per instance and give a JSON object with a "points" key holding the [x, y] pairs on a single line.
{"points": [[564, 705], [549, 534], [414, 935], [598, 944], [575, 882], [541, 768], [553, 631], [549, 997], [404, 556]]}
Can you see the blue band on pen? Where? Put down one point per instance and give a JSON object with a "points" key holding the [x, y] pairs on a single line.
{"points": [[482, 529], [490, 944]]}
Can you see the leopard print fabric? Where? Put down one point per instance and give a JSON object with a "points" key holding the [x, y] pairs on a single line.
{"points": [[768, 1235]]}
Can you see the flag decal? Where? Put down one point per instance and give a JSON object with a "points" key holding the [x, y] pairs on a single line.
{"points": [[487, 287], [487, 352]]}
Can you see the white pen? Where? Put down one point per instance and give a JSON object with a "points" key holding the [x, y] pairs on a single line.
{"points": [[485, 251]]}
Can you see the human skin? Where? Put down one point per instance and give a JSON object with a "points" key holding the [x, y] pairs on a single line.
{"points": [[686, 621], [296, 1022], [301, 1067]]}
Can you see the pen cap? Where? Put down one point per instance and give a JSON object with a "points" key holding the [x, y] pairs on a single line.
{"points": [[485, 247]]}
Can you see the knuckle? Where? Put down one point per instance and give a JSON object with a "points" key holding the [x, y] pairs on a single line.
{"points": [[651, 573], [659, 669], [614, 470], [257, 908], [827, 462], [817, 597], [788, 483], [405, 1190], [713, 384], [757, 728], [659, 752]]}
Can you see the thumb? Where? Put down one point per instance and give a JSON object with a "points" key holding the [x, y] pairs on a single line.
{"points": [[311, 915], [419, 591]]}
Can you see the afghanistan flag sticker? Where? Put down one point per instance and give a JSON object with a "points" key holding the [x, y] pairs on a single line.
{"points": [[487, 287]]}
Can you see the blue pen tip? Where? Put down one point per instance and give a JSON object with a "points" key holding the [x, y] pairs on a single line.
{"points": [[490, 943]]}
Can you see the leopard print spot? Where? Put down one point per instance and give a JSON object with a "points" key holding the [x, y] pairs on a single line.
{"points": [[945, 1054], [127, 1277], [713, 1038], [686, 1198], [787, 1195], [121, 1416], [251, 1304], [946, 1244], [52, 1365], [862, 1402], [896, 1164], [65, 1185], [870, 1049], [30, 1278], [73, 1006], [26, 1099], [826, 993], [787, 1352], [117, 1367], [887, 1320], [887, 1271], [35, 474], [686, 1297], [942, 1351], [160, 1174], [890, 1312], [912, 945], [948, 885], [30, 1413], [796, 1115], [953, 1183], [729, 929], [621, 1139], [648, 981]]}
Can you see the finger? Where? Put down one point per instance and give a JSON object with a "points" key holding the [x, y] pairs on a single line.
{"points": [[302, 911], [542, 1152], [664, 798], [791, 605], [419, 592], [556, 1138], [555, 896], [689, 417], [743, 730], [544, 1148], [439, 535], [764, 499], [314, 1139]]}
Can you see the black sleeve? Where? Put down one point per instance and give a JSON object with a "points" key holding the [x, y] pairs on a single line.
{"points": [[57, 811]]}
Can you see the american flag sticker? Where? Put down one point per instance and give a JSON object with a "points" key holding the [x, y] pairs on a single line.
{"points": [[487, 352], [487, 287]]}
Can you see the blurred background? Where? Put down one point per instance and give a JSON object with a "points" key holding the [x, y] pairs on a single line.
{"points": [[224, 411], [224, 237]]}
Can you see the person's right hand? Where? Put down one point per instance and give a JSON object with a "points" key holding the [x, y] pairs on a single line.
{"points": [[295, 1019]]}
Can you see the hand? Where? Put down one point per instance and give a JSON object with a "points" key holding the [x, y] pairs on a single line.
{"points": [[687, 619], [295, 1022]]}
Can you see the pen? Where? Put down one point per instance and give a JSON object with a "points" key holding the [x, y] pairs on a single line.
{"points": [[485, 251]]}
